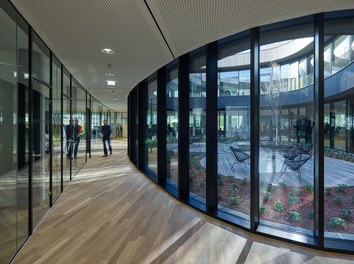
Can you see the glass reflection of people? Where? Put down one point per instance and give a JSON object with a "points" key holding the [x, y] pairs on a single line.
{"points": [[76, 137], [106, 131], [69, 138]]}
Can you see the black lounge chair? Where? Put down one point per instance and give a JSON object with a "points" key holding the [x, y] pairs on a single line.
{"points": [[239, 156], [294, 163]]}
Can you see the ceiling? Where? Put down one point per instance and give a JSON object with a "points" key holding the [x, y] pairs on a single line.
{"points": [[146, 34]]}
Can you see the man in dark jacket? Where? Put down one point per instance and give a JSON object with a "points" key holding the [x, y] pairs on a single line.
{"points": [[106, 131]]}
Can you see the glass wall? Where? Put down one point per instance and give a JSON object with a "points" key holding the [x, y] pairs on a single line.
{"points": [[286, 182], [96, 122], [36, 131], [197, 121], [286, 162], [234, 127], [151, 128], [66, 121], [78, 96], [338, 130], [40, 129], [14, 135], [172, 125], [57, 129]]}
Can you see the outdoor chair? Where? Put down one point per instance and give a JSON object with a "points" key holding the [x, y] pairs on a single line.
{"points": [[239, 156], [196, 141], [294, 163]]}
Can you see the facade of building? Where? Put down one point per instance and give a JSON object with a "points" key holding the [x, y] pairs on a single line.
{"points": [[257, 130]]}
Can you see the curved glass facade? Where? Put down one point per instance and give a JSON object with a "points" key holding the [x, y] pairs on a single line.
{"points": [[257, 129]]}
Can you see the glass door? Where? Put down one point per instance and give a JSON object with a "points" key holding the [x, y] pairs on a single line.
{"points": [[40, 151]]}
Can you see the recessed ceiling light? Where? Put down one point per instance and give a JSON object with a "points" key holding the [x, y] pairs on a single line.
{"points": [[107, 51], [111, 83]]}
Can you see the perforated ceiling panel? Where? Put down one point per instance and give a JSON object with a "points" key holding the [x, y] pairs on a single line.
{"points": [[189, 24], [76, 31]]}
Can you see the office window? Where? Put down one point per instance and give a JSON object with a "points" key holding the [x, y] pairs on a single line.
{"points": [[151, 125], [172, 126], [338, 131], [234, 128], [197, 119], [285, 157]]}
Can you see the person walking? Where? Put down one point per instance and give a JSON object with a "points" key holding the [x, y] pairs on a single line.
{"points": [[77, 137], [69, 129], [106, 131]]}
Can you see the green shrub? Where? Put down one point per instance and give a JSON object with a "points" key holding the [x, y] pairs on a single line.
{"points": [[297, 192], [308, 187], [294, 216], [341, 188], [338, 199], [262, 209], [267, 195], [281, 184], [233, 191], [278, 206], [311, 214], [220, 181], [234, 185], [346, 213], [291, 199], [234, 199], [337, 222], [191, 177]]}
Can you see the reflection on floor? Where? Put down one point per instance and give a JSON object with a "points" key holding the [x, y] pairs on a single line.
{"points": [[111, 213]]}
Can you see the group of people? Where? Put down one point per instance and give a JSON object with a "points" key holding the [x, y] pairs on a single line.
{"points": [[74, 132]]}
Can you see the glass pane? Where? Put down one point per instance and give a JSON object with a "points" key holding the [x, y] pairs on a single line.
{"points": [[22, 137], [172, 126], [96, 122], [197, 119], [286, 124], [8, 138], [40, 154], [40, 60], [234, 128], [339, 132], [57, 129], [66, 134], [151, 126], [78, 148]]}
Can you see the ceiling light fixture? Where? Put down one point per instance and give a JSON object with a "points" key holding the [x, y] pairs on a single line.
{"points": [[111, 83], [107, 51], [109, 74]]}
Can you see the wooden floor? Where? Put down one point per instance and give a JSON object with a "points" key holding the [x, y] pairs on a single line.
{"points": [[111, 213]]}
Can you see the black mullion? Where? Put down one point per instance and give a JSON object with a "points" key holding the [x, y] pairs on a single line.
{"points": [[50, 152], [211, 129], [254, 168], [30, 134], [62, 123], [319, 137], [71, 116], [141, 125], [183, 128], [162, 127]]}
